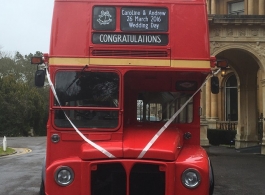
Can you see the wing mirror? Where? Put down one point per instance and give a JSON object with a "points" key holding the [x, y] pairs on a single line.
{"points": [[39, 78], [214, 85], [40, 73]]}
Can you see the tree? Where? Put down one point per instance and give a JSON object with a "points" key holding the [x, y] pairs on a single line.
{"points": [[23, 106]]}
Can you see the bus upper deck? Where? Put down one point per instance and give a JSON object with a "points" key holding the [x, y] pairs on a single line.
{"points": [[151, 33]]}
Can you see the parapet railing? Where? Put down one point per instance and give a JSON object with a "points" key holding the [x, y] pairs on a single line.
{"points": [[226, 125]]}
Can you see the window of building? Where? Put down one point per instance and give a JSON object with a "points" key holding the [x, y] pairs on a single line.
{"points": [[231, 103], [236, 8]]}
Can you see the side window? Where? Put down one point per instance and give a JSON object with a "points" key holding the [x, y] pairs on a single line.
{"points": [[149, 111], [161, 106], [186, 116]]}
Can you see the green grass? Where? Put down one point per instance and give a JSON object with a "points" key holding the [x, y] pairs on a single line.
{"points": [[7, 152]]}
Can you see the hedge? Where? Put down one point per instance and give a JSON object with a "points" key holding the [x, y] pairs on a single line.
{"points": [[218, 136]]}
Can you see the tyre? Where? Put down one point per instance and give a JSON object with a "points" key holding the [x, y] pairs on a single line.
{"points": [[42, 188], [211, 177]]}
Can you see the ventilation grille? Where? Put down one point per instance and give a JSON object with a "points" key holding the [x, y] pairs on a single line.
{"points": [[111, 179], [130, 53], [108, 179], [147, 179]]}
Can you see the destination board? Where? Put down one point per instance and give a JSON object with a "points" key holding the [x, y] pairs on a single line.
{"points": [[144, 19], [130, 39], [104, 18]]}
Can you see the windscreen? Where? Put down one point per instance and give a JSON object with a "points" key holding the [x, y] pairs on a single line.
{"points": [[89, 99]]}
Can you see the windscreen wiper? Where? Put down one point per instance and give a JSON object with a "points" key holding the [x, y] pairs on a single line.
{"points": [[77, 77]]}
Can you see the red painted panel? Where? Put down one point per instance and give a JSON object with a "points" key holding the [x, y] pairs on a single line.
{"points": [[70, 29], [189, 36], [88, 152], [166, 147], [195, 157]]}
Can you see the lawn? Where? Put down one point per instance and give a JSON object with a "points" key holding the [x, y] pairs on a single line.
{"points": [[7, 152]]}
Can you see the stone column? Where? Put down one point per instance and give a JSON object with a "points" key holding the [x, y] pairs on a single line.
{"points": [[213, 6], [247, 116], [250, 7], [203, 130], [203, 103], [208, 100], [213, 111], [261, 7], [211, 106], [263, 139], [214, 106]]}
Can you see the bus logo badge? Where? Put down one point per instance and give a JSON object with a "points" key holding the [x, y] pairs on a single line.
{"points": [[104, 18]]}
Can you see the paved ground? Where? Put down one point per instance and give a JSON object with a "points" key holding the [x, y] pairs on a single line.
{"points": [[20, 174], [235, 173]]}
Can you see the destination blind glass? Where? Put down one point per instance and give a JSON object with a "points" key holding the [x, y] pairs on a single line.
{"points": [[144, 19], [104, 18], [130, 39]]}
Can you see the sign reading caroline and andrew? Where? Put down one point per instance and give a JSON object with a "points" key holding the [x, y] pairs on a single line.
{"points": [[144, 19], [132, 19]]}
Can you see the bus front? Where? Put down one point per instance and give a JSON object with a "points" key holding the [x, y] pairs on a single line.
{"points": [[124, 102]]}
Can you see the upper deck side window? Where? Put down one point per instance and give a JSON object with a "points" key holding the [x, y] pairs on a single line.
{"points": [[236, 8]]}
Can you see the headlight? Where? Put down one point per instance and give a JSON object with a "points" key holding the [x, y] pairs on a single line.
{"points": [[191, 178], [64, 176]]}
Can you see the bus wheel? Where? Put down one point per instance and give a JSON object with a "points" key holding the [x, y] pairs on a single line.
{"points": [[211, 174], [42, 188]]}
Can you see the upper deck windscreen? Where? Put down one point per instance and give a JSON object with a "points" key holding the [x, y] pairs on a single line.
{"points": [[133, 29]]}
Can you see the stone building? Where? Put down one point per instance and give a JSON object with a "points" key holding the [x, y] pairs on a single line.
{"points": [[237, 34]]}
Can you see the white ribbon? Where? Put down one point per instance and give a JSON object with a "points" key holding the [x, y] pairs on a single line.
{"points": [[150, 143], [104, 151], [156, 136]]}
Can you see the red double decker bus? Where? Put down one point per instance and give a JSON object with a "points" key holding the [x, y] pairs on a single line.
{"points": [[124, 108]]}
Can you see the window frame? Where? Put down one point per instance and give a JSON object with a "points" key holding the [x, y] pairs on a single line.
{"points": [[55, 107], [235, 12]]}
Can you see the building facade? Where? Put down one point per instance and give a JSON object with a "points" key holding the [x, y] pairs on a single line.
{"points": [[237, 34]]}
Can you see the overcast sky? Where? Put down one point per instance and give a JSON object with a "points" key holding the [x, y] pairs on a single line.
{"points": [[25, 25]]}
